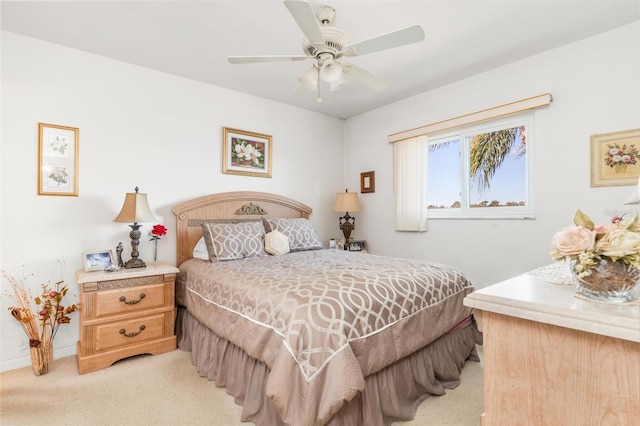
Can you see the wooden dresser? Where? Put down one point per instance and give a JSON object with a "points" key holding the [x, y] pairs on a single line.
{"points": [[125, 313], [551, 358]]}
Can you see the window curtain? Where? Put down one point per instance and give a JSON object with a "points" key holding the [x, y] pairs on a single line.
{"points": [[410, 184]]}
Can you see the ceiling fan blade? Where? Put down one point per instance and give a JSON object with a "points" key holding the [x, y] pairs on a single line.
{"points": [[306, 20], [267, 58], [361, 76], [396, 38]]}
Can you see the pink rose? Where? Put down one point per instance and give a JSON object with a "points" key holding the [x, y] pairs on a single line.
{"points": [[602, 229], [572, 241], [618, 243]]}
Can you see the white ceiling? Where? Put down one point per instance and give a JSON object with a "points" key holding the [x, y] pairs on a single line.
{"points": [[193, 39]]}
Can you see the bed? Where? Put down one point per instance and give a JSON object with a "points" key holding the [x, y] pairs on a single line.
{"points": [[303, 335]]}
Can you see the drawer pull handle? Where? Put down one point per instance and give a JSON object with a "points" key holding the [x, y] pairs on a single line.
{"points": [[134, 334], [132, 302]]}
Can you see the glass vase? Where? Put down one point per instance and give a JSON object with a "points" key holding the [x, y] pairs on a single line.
{"points": [[609, 281], [41, 357], [155, 251]]}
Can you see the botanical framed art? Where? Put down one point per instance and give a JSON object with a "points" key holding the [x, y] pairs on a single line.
{"points": [[97, 260], [57, 160], [615, 158], [367, 182], [246, 153]]}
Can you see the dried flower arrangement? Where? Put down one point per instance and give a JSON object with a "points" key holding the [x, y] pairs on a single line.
{"points": [[42, 325]]}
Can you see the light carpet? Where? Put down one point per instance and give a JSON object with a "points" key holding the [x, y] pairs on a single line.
{"points": [[166, 390]]}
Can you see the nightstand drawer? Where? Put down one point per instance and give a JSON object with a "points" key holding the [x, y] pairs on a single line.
{"points": [[116, 301], [124, 333]]}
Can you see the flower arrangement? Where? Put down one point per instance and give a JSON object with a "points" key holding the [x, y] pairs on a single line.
{"points": [[157, 232], [586, 244], [245, 151], [42, 325], [617, 156]]}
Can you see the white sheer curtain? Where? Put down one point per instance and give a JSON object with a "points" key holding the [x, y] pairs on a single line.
{"points": [[410, 184]]}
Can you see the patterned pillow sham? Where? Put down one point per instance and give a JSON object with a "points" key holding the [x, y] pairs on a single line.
{"points": [[301, 233], [229, 241]]}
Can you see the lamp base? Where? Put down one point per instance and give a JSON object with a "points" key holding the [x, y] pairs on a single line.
{"points": [[135, 263]]}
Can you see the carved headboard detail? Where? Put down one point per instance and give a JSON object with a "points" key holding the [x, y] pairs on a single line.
{"points": [[226, 207]]}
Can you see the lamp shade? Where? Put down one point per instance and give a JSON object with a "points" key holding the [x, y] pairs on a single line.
{"points": [[346, 202], [634, 198], [135, 209]]}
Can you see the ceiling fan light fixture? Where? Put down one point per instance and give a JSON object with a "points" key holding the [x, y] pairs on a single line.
{"points": [[309, 78], [337, 84], [331, 71]]}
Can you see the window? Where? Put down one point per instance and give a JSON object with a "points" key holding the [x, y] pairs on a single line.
{"points": [[482, 170]]}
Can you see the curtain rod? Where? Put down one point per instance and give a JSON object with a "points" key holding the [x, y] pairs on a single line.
{"points": [[474, 117]]}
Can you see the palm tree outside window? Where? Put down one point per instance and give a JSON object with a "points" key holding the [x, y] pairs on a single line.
{"points": [[482, 171]]}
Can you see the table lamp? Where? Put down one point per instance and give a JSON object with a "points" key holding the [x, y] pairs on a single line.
{"points": [[135, 209], [347, 202]]}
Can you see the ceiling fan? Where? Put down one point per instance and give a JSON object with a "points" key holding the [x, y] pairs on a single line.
{"points": [[326, 45]]}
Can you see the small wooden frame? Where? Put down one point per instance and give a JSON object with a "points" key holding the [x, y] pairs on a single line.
{"points": [[57, 160], [246, 153], [367, 182]]}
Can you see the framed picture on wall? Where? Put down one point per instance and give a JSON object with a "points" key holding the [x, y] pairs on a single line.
{"points": [[57, 160], [367, 182], [615, 158], [246, 153]]}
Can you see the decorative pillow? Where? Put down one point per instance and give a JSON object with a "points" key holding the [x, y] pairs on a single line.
{"points": [[228, 241], [200, 250], [301, 233], [276, 243]]}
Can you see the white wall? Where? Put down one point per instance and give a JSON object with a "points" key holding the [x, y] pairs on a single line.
{"points": [[162, 133], [137, 127], [595, 85]]}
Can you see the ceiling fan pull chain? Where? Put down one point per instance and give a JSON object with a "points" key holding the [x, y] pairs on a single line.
{"points": [[318, 99]]}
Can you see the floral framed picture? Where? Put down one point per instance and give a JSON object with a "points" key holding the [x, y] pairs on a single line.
{"points": [[97, 260], [246, 153], [615, 158], [57, 160]]}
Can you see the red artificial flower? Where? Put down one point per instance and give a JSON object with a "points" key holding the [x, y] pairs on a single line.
{"points": [[158, 231]]}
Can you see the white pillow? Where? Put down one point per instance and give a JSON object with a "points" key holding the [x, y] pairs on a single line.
{"points": [[200, 250], [276, 243]]}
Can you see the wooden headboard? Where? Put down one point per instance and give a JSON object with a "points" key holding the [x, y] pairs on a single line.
{"points": [[228, 207]]}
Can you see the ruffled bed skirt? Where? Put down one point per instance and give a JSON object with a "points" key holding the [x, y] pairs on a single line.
{"points": [[392, 394]]}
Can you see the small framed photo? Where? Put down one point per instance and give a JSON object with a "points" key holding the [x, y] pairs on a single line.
{"points": [[615, 158], [367, 182], [246, 153], [357, 246], [97, 260], [57, 160]]}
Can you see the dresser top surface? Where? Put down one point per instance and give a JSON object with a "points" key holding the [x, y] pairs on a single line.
{"points": [[531, 297]]}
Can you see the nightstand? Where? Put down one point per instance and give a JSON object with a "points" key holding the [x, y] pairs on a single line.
{"points": [[125, 313]]}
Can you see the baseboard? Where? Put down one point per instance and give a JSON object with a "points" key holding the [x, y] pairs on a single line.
{"points": [[25, 361]]}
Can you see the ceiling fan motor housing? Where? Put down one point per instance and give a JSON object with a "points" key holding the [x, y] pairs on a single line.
{"points": [[334, 40]]}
